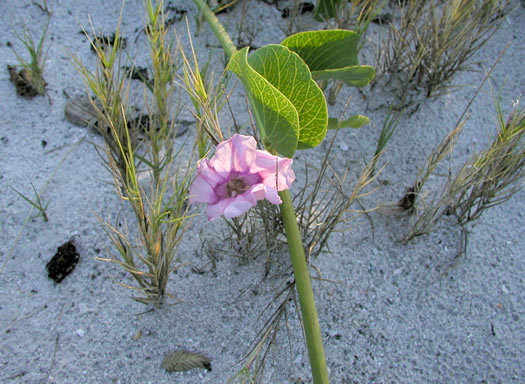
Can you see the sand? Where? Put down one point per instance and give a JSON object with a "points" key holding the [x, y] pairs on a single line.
{"points": [[390, 312]]}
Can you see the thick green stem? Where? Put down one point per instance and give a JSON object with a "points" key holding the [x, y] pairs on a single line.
{"points": [[304, 290], [217, 28]]}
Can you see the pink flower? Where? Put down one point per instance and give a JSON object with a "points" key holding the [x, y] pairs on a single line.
{"points": [[239, 175]]}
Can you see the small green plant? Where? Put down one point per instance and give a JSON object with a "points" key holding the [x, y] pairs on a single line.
{"points": [[37, 202], [11, 251], [140, 153], [29, 81]]}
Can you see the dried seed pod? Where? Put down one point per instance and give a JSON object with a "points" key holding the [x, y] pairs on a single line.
{"points": [[182, 360]]}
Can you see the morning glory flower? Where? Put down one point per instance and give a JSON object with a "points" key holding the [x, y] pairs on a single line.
{"points": [[237, 176]]}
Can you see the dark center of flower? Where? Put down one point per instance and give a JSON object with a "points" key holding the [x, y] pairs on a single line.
{"points": [[236, 186]]}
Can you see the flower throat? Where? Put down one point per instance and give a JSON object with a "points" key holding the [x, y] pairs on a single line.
{"points": [[236, 186]]}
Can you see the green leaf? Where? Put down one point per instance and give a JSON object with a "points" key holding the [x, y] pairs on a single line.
{"points": [[356, 121], [331, 54], [289, 107], [355, 76]]}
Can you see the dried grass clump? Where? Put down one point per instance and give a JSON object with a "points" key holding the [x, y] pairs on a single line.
{"points": [[428, 43], [494, 175]]}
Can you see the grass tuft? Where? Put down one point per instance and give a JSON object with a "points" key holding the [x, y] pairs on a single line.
{"points": [[29, 81], [429, 43]]}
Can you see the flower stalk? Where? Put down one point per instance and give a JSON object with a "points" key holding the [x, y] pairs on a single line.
{"points": [[303, 283]]}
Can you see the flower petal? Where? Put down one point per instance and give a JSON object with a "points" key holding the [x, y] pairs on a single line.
{"points": [[239, 205], [222, 159], [257, 191], [201, 191], [244, 149], [215, 210], [208, 173], [261, 192], [272, 196], [230, 207], [234, 155], [268, 165]]}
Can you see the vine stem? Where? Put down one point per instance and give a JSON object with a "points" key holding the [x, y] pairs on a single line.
{"points": [[217, 28], [305, 292], [303, 282]]}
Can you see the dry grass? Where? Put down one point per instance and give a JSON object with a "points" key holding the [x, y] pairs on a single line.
{"points": [[494, 175], [429, 43], [265, 341], [490, 177]]}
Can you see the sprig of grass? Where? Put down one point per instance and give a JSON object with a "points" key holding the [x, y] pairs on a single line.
{"points": [[37, 203], [43, 6], [389, 127], [207, 98]]}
